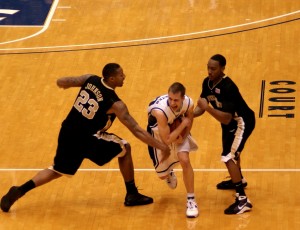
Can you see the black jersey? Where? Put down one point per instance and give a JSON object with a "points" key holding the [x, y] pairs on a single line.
{"points": [[89, 112], [225, 96]]}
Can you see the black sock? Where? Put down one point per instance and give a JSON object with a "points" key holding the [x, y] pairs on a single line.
{"points": [[239, 188], [27, 187], [130, 187]]}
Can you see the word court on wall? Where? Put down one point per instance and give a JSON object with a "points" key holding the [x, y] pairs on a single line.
{"points": [[282, 99]]}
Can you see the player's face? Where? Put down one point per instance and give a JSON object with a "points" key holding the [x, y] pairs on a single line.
{"points": [[215, 71], [175, 100], [119, 77]]}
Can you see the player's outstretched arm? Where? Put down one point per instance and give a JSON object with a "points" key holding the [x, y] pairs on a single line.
{"points": [[222, 117], [121, 111], [67, 82]]}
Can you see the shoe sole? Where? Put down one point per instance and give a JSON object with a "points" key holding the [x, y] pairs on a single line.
{"points": [[244, 209], [192, 216], [131, 205], [137, 204]]}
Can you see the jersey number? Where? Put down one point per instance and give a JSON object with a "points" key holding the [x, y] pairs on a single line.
{"points": [[83, 99]]}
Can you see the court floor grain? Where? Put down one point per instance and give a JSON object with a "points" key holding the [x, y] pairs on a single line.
{"points": [[156, 43]]}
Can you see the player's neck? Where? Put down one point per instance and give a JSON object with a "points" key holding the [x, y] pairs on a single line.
{"points": [[217, 80], [109, 84]]}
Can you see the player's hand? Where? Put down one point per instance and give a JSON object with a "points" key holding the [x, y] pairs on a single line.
{"points": [[179, 140], [202, 103], [165, 153], [187, 121]]}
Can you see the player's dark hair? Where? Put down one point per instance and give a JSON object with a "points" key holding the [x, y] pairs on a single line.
{"points": [[177, 87], [110, 69], [220, 58]]}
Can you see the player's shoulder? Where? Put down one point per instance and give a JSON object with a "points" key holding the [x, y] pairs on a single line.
{"points": [[228, 82], [188, 100], [93, 76]]}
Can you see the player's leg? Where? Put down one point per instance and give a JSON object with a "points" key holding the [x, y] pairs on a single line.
{"points": [[164, 169], [232, 140], [187, 171], [133, 197], [242, 203], [228, 139], [16, 192], [188, 178], [228, 184], [107, 146], [66, 161]]}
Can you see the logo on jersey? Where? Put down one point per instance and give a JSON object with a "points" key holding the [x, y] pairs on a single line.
{"points": [[213, 99]]}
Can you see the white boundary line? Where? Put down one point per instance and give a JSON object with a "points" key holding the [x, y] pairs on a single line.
{"points": [[135, 40], [152, 170]]}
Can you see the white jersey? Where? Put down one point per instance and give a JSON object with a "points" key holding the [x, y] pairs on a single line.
{"points": [[161, 103], [188, 145]]}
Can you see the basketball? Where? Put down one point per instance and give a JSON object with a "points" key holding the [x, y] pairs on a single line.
{"points": [[175, 124]]}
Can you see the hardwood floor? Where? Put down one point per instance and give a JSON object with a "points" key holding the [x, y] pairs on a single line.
{"points": [[156, 43]]}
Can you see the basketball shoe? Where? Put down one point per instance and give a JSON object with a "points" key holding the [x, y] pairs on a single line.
{"points": [[137, 199], [171, 180], [10, 198], [191, 208], [242, 204]]}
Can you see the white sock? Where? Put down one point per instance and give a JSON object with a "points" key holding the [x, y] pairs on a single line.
{"points": [[191, 196]]}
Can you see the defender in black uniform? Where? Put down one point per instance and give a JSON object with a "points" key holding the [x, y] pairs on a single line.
{"points": [[83, 135], [237, 122]]}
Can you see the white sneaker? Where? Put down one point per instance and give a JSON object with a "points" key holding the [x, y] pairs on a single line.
{"points": [[171, 180], [191, 208]]}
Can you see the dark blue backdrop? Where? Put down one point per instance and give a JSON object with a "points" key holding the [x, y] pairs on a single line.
{"points": [[30, 12]]}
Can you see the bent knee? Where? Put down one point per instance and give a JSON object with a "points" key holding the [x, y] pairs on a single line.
{"points": [[184, 159], [228, 158], [126, 151]]}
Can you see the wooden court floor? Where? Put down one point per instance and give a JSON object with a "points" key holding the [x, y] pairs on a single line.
{"points": [[156, 43]]}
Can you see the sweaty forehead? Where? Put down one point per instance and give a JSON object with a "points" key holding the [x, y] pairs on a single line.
{"points": [[174, 96]]}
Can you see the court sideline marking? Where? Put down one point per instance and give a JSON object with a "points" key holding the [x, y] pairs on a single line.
{"points": [[152, 170]]}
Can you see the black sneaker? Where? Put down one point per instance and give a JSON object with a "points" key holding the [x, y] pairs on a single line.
{"points": [[228, 184], [10, 198], [242, 204], [137, 199]]}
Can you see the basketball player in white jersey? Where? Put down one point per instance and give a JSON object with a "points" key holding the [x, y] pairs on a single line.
{"points": [[161, 114]]}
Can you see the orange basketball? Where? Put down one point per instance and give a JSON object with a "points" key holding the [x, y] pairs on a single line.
{"points": [[175, 124]]}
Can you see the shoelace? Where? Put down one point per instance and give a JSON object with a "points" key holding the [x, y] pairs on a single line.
{"points": [[191, 204]]}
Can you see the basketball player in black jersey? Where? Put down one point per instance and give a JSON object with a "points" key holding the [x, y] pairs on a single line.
{"points": [[83, 135], [237, 122]]}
